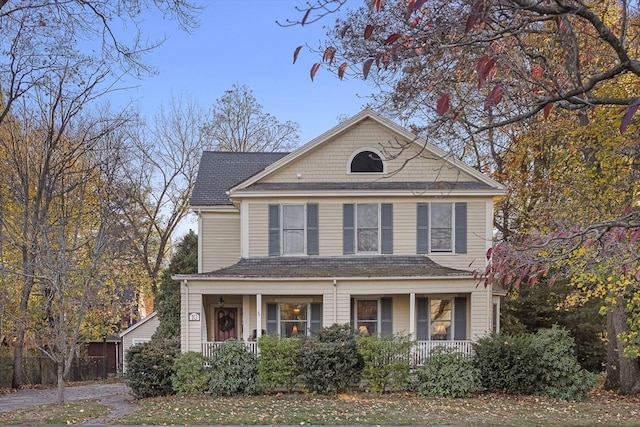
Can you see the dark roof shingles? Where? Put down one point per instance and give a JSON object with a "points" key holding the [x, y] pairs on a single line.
{"points": [[221, 170], [347, 266]]}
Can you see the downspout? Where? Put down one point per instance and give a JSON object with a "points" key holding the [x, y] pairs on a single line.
{"points": [[335, 301], [186, 315]]}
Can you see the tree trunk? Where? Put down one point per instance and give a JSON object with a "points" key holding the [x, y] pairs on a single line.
{"points": [[16, 380], [612, 367], [629, 367], [60, 382]]}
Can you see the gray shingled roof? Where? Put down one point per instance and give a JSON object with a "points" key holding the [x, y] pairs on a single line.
{"points": [[347, 266], [373, 185], [221, 170]]}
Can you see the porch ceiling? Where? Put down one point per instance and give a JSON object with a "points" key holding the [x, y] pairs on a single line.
{"points": [[323, 267]]}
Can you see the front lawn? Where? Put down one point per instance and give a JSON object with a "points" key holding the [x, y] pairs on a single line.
{"points": [[603, 409]]}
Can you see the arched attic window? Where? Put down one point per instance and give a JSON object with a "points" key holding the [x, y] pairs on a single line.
{"points": [[366, 161]]}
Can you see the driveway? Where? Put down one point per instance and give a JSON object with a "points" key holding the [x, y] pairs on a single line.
{"points": [[116, 396]]}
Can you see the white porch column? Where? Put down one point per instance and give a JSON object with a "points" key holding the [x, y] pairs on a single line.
{"points": [[258, 315], [412, 315], [246, 325]]}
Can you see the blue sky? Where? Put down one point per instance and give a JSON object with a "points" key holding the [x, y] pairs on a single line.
{"points": [[238, 41]]}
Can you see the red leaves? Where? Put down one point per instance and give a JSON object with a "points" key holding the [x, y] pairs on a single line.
{"points": [[392, 38], [494, 97], [366, 67], [561, 22], [478, 10], [341, 70], [377, 5], [368, 31], [546, 110], [414, 5], [328, 55], [314, 69], [485, 68], [628, 116], [537, 72], [295, 54], [444, 104]]}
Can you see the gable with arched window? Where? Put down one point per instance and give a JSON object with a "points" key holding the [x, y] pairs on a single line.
{"points": [[366, 160]]}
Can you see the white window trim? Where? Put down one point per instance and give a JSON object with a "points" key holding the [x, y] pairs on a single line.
{"points": [[453, 228], [355, 313], [373, 150], [307, 321], [451, 300], [304, 229], [355, 229]]}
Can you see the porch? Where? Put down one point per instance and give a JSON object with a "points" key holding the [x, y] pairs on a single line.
{"points": [[421, 350]]}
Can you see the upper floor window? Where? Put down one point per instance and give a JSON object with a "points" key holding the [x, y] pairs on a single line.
{"points": [[366, 161], [367, 228], [293, 229], [441, 227]]}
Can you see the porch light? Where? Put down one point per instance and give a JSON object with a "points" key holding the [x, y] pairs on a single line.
{"points": [[221, 302]]}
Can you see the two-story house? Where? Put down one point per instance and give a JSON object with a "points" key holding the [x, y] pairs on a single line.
{"points": [[341, 230]]}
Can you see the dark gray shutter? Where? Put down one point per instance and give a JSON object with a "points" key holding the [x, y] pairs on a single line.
{"points": [[316, 317], [352, 308], [386, 316], [422, 232], [460, 318], [461, 228], [312, 229], [387, 228], [274, 230], [348, 232], [272, 318], [422, 313]]}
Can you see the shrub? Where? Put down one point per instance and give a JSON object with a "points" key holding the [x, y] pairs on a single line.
{"points": [[233, 370], [150, 368], [386, 362], [542, 364], [447, 373], [562, 377], [278, 362], [330, 362], [190, 375]]}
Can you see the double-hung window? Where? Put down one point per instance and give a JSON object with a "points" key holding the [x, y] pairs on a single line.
{"points": [[441, 318], [293, 229], [441, 228], [367, 228], [373, 316], [293, 319]]}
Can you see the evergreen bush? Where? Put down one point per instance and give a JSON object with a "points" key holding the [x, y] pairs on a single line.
{"points": [[329, 362], [447, 373], [278, 362], [190, 375], [150, 368], [542, 364], [234, 370], [386, 362]]}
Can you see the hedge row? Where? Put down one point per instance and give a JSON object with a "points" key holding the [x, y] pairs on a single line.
{"points": [[336, 360]]}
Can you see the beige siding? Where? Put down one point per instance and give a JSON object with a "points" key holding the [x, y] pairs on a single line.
{"points": [[220, 240], [193, 332], [328, 162], [480, 314], [404, 228], [139, 334]]}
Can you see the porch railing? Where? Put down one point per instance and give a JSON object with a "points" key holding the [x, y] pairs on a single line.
{"points": [[421, 351]]}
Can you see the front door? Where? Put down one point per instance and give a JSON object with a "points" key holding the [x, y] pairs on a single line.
{"points": [[226, 323]]}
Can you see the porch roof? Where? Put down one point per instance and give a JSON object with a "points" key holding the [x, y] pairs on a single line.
{"points": [[346, 266]]}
